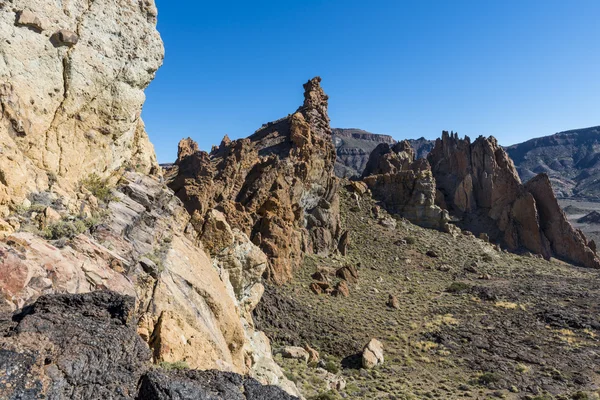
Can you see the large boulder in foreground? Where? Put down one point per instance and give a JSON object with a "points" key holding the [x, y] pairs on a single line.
{"points": [[85, 346], [277, 186], [404, 185], [72, 82], [479, 186]]}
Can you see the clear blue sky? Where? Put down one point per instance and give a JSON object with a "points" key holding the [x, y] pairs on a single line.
{"points": [[514, 69]]}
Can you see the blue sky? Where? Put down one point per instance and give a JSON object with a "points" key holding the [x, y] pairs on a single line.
{"points": [[508, 68]]}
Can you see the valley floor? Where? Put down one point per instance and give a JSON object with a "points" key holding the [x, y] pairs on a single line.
{"points": [[473, 322]]}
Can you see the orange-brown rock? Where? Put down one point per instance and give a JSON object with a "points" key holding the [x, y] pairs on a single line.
{"points": [[404, 185], [348, 273], [479, 185], [277, 186], [341, 289]]}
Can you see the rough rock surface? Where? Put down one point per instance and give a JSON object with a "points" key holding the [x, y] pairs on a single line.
{"points": [[73, 347], [480, 186], [72, 80], [85, 346], [205, 385], [145, 247], [277, 186], [354, 146], [372, 355], [404, 185], [571, 159]]}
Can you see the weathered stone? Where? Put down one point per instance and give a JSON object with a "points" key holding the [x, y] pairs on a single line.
{"points": [[277, 186], [66, 37], [313, 355], [344, 242], [404, 185], [29, 19], [393, 302], [296, 353], [341, 289], [71, 112], [348, 273], [372, 355], [482, 189]]}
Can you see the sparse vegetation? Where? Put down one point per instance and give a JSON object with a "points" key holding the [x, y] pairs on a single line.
{"points": [[98, 187], [177, 365]]}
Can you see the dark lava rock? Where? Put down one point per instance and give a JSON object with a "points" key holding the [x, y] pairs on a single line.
{"points": [[205, 385], [85, 346], [73, 347]]}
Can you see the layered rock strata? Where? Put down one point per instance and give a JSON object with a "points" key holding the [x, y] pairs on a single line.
{"points": [[277, 186], [72, 80], [404, 185], [480, 186]]}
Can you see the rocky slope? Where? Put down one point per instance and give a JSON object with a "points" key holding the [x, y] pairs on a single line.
{"points": [[571, 160], [277, 186], [354, 146], [481, 187], [470, 322], [72, 81]]}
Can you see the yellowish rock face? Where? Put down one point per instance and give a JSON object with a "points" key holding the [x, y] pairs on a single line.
{"points": [[72, 76]]}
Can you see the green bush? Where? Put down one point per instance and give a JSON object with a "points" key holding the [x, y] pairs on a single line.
{"points": [[332, 367], [488, 378], [98, 187], [458, 287], [410, 240], [68, 229], [177, 365]]}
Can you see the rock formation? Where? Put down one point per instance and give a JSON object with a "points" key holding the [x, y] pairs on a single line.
{"points": [[404, 185], [277, 186], [480, 186], [354, 146], [86, 347], [72, 78], [83, 209]]}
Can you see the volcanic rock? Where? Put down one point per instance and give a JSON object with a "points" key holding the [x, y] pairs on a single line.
{"points": [[372, 355], [404, 185], [277, 186], [341, 289], [348, 273], [70, 111], [85, 346], [481, 187]]}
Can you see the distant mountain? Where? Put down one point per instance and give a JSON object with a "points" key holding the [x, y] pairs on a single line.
{"points": [[571, 159], [354, 146]]}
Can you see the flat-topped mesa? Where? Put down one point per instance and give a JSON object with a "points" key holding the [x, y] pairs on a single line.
{"points": [[277, 186], [479, 185], [404, 185], [71, 92]]}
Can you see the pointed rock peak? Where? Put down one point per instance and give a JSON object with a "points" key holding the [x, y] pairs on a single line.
{"points": [[314, 96], [186, 148], [404, 147], [226, 141]]}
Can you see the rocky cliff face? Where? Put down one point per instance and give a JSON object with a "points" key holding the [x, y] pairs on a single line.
{"points": [[480, 186], [72, 76], [277, 186], [571, 160], [72, 80], [354, 146], [404, 185]]}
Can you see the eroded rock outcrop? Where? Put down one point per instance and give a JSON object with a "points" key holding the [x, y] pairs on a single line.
{"points": [[72, 80], [277, 186], [404, 185], [85, 346], [480, 186], [145, 248]]}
